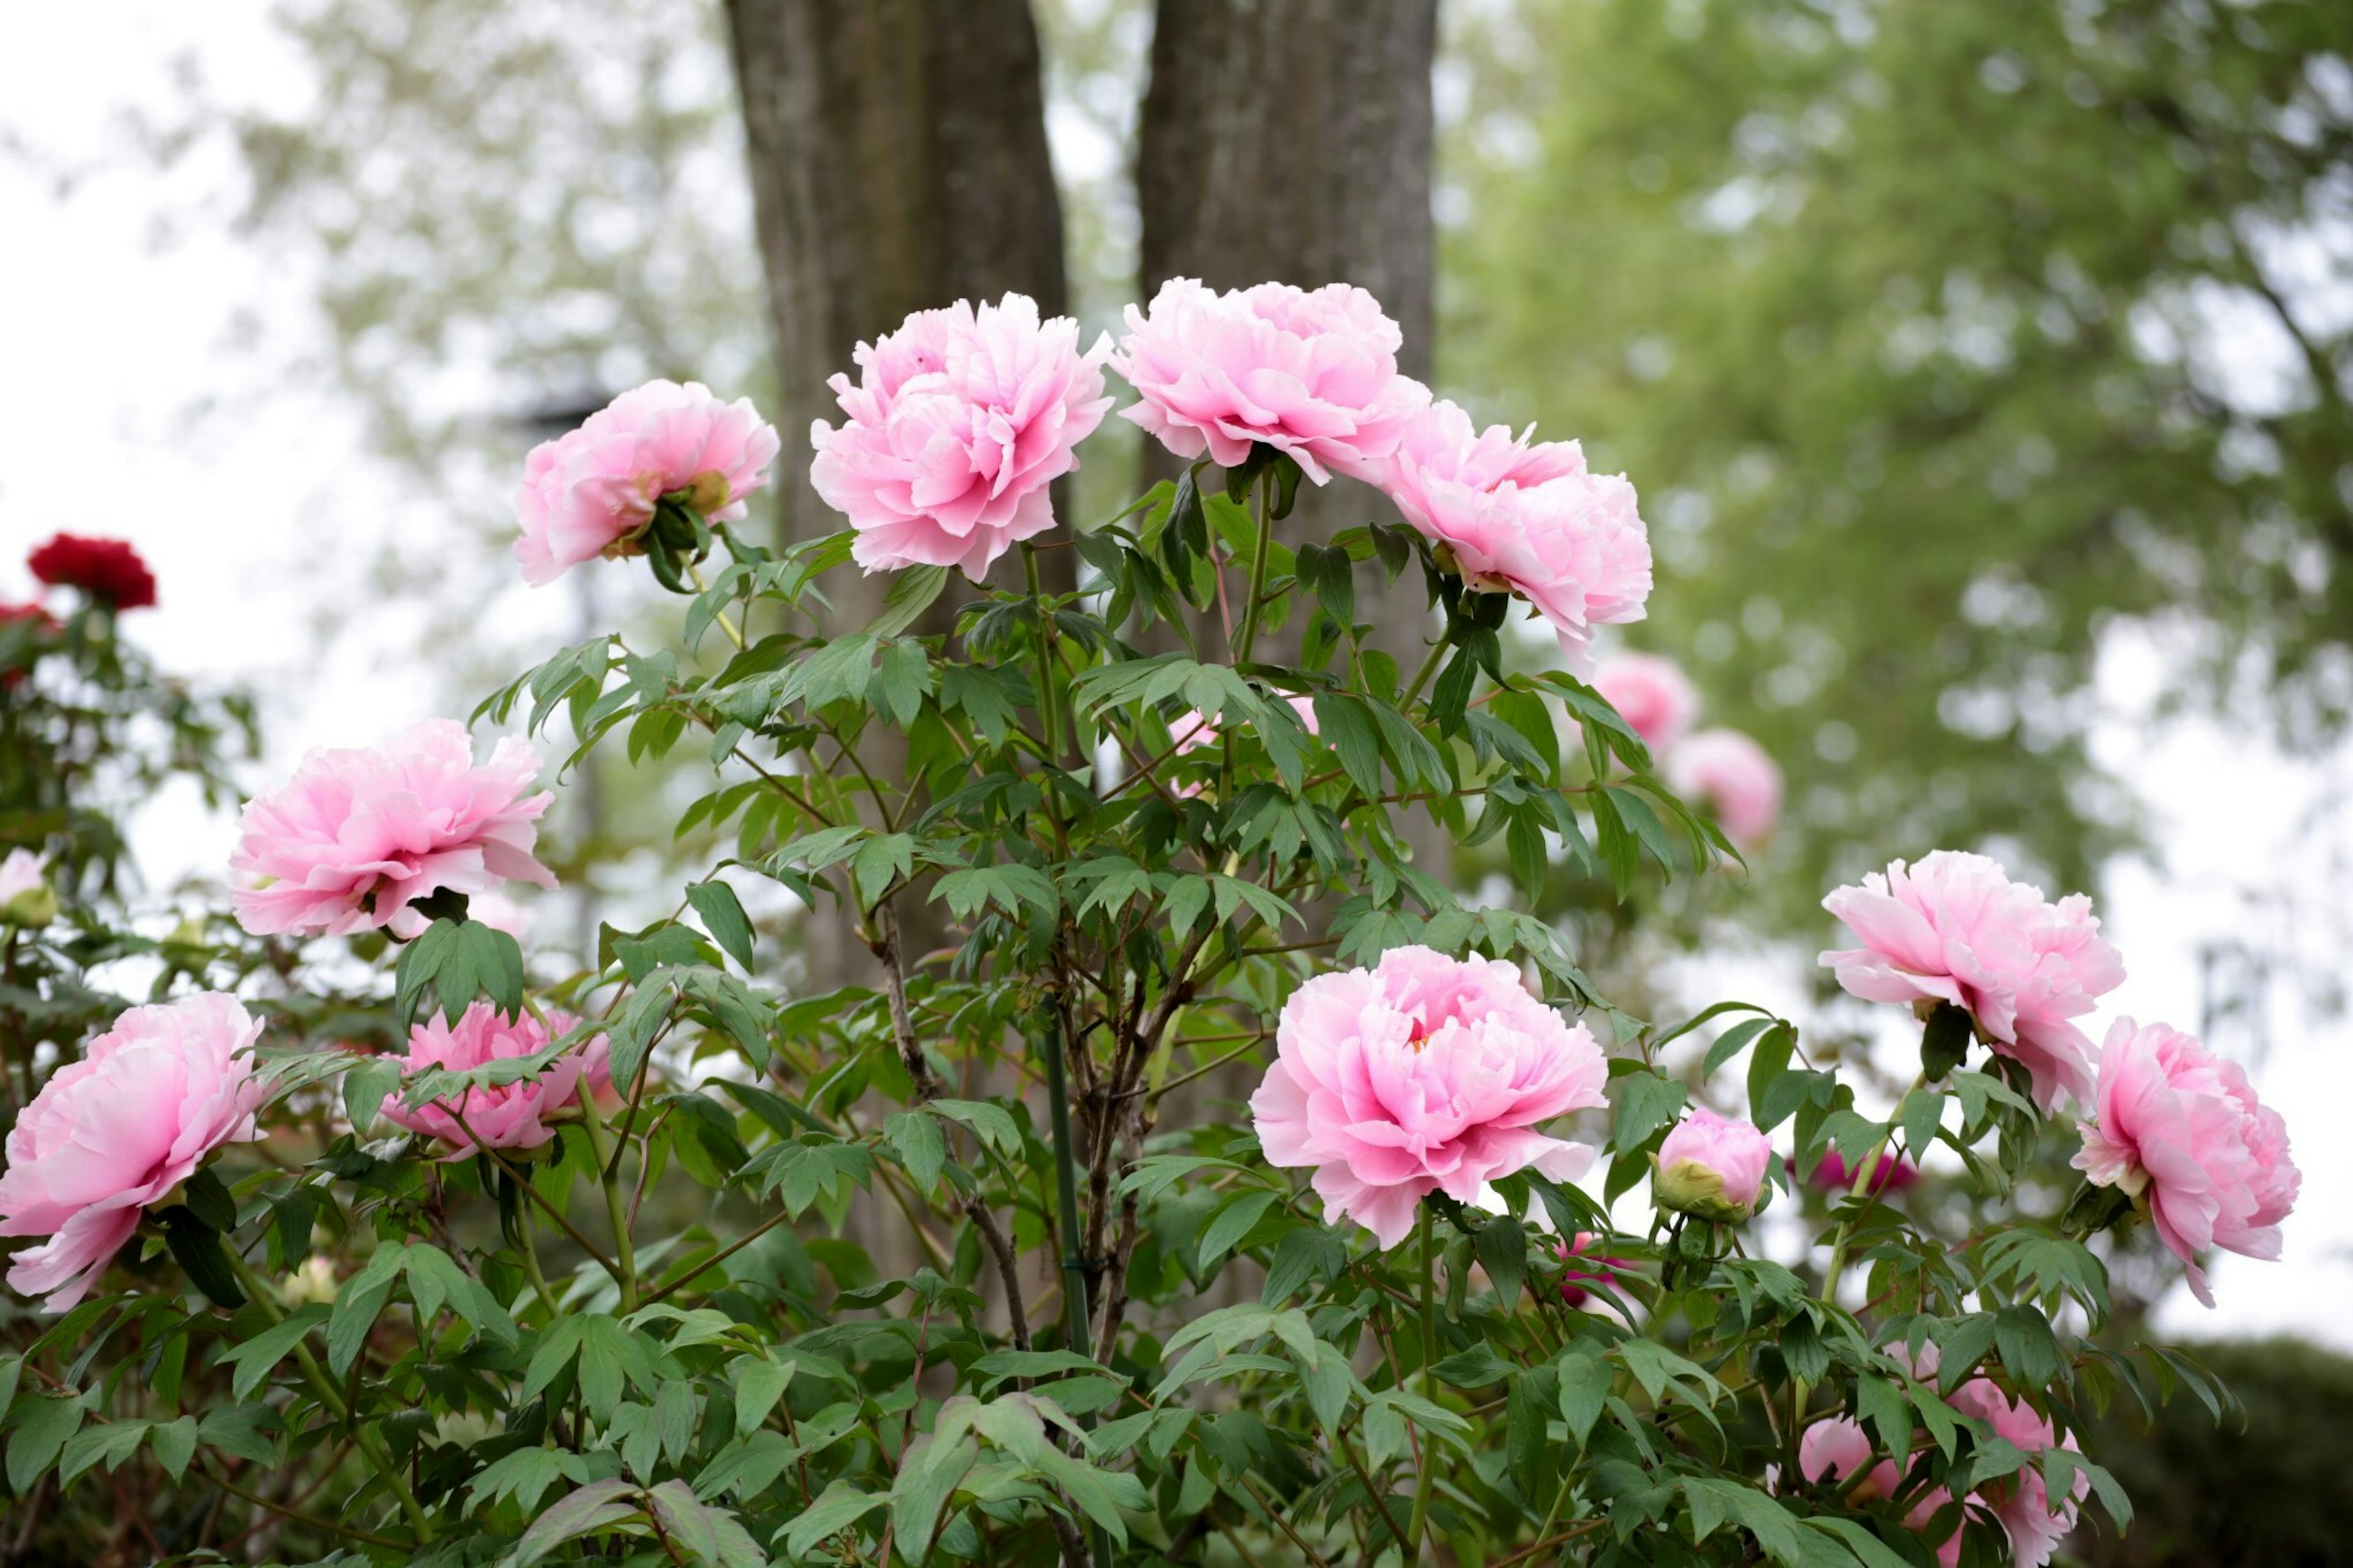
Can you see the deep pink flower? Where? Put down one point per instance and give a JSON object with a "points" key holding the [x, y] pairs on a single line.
{"points": [[121, 1129], [1892, 1173], [2023, 1502], [1422, 1074], [1603, 1271], [503, 1115], [1310, 372], [1530, 521], [2180, 1129], [588, 492], [1651, 694], [1713, 1166], [958, 424], [1955, 928], [356, 835], [1834, 1450], [1729, 771], [109, 569]]}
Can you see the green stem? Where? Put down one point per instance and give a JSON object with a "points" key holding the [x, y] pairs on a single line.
{"points": [[1421, 677], [1066, 1198], [617, 1208], [1248, 637], [1429, 1304], [1861, 1185], [370, 1445]]}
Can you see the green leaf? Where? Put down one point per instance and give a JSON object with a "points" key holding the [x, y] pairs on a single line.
{"points": [[1502, 1248], [2022, 1335], [759, 1384], [255, 1357], [1585, 1382], [922, 1148], [928, 1476], [721, 914], [595, 1507], [197, 1247], [841, 1506], [358, 1304], [1232, 1223], [912, 591], [39, 1427], [110, 1442], [175, 1443], [1945, 1042], [992, 1124], [1732, 1042], [1645, 1103]]}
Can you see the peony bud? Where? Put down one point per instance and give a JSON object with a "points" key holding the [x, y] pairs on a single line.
{"points": [[1712, 1167], [25, 896]]}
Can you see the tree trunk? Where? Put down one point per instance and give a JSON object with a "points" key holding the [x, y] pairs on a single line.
{"points": [[898, 162]]}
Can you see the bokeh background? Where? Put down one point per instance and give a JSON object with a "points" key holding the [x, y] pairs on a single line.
{"points": [[1986, 370]]}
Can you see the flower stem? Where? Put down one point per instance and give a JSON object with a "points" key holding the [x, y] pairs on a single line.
{"points": [[1247, 637], [1421, 677], [617, 1207], [734, 634], [1076, 1316], [1429, 1304]]}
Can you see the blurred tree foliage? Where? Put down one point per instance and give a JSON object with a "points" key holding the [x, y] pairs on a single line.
{"points": [[1939, 337], [2215, 1494]]}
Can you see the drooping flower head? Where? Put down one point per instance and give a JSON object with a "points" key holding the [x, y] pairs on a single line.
{"points": [[1833, 1450], [1310, 372], [959, 422], [2181, 1131], [1651, 694], [25, 896], [2034, 1521], [590, 491], [516, 1115], [1421, 1074], [1527, 519], [356, 835], [1729, 771], [1953, 927], [121, 1129], [1713, 1166], [108, 570]]}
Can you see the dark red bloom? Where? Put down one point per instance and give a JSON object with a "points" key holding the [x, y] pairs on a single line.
{"points": [[1893, 1174], [108, 570]]}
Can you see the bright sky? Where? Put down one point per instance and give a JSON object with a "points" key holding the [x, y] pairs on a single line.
{"points": [[126, 410]]}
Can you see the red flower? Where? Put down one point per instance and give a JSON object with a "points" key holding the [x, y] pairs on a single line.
{"points": [[108, 570]]}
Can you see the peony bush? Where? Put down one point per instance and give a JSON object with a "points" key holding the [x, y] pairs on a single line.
{"points": [[1198, 1178]]}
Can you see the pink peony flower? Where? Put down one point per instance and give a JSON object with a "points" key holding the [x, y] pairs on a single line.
{"points": [[588, 492], [960, 421], [2180, 1129], [1422, 1074], [1653, 696], [1832, 1451], [1192, 730], [503, 1115], [1955, 928], [356, 835], [2023, 1502], [1517, 518], [120, 1129], [1711, 1167], [1892, 1173], [1731, 773], [1312, 374], [25, 896]]}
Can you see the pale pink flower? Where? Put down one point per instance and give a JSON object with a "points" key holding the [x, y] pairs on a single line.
{"points": [[356, 835], [1731, 773], [25, 896], [119, 1130], [2180, 1130], [1713, 1166], [1422, 1074], [1651, 694], [1953, 927], [1530, 521], [502, 1116], [590, 490], [958, 424], [1191, 730], [1833, 1450], [1310, 372], [2023, 1502]]}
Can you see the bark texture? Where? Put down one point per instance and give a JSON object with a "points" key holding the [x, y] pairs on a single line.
{"points": [[898, 162]]}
